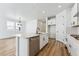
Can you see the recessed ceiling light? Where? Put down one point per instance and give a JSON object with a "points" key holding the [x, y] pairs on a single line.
{"points": [[59, 6], [43, 11]]}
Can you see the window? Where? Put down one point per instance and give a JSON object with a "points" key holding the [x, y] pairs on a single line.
{"points": [[10, 25]]}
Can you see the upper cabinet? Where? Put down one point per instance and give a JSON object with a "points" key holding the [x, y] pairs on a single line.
{"points": [[36, 26], [75, 15], [41, 25], [52, 22], [74, 9]]}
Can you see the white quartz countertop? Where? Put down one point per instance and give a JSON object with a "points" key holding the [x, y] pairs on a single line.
{"points": [[19, 35], [25, 35], [29, 35], [74, 40]]}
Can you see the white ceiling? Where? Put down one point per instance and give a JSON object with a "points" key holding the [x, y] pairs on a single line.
{"points": [[29, 11]]}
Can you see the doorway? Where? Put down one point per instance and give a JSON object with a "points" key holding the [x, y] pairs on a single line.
{"points": [[52, 28]]}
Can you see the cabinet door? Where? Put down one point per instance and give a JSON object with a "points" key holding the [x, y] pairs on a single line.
{"points": [[73, 48], [74, 10], [74, 21], [41, 41], [61, 26], [73, 52], [45, 39], [41, 25]]}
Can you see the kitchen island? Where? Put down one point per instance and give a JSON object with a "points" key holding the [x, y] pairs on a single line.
{"points": [[30, 44], [22, 44]]}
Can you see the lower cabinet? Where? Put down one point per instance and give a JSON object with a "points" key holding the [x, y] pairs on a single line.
{"points": [[43, 40], [34, 45], [72, 46]]}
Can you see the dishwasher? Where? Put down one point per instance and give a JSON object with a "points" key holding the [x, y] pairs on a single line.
{"points": [[34, 45]]}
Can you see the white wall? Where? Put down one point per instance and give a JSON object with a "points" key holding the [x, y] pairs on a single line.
{"points": [[78, 30], [78, 19], [8, 12], [6, 32], [23, 46], [31, 26]]}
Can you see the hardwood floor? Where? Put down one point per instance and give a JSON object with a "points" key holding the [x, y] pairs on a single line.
{"points": [[8, 46], [54, 48]]}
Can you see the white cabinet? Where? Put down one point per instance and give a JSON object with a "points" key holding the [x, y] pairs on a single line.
{"points": [[73, 46], [75, 21], [74, 9], [74, 15], [43, 40], [39, 27], [22, 45], [36, 26], [52, 22], [61, 26]]}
